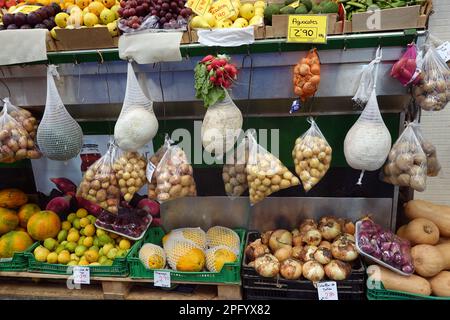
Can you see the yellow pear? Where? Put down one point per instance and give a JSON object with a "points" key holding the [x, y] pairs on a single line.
{"points": [[61, 19], [199, 22], [96, 8], [107, 16], [247, 11], [113, 29], [90, 19], [240, 22], [53, 32], [115, 9], [226, 23], [256, 20], [109, 3], [209, 17]]}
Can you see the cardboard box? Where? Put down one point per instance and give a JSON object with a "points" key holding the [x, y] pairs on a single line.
{"points": [[425, 12], [186, 38], [269, 32], [280, 24], [84, 39], [343, 27]]}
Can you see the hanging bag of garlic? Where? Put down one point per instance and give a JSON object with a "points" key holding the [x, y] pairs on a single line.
{"points": [[59, 136], [367, 143], [312, 156], [265, 172], [137, 123], [407, 163]]}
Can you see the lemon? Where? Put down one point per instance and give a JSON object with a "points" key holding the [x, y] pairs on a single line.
{"points": [[81, 240], [41, 254], [52, 257], [106, 248], [81, 213], [74, 257], [88, 242], [124, 244], [100, 232], [76, 223], [83, 262], [89, 230], [247, 11], [112, 253], [80, 250]]}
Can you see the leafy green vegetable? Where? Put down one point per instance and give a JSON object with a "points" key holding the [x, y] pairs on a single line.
{"points": [[204, 89]]}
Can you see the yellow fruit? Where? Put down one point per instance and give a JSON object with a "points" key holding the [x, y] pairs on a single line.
{"points": [[88, 242], [96, 8], [61, 21], [260, 4], [53, 33], [218, 235], [71, 216], [72, 263], [82, 3], [199, 22], [193, 260], [165, 238], [91, 255], [106, 248], [240, 23], [41, 253], [93, 264], [107, 16], [108, 3], [215, 259], [210, 19], [83, 262], [85, 10], [81, 213], [256, 20], [73, 237], [227, 23], [100, 232], [115, 9], [124, 244], [64, 257], [84, 221], [247, 11], [259, 12], [52, 257], [152, 256], [66, 225], [89, 230], [236, 13], [236, 4], [74, 257]]}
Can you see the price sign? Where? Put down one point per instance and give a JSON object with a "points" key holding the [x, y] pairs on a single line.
{"points": [[26, 9], [200, 7], [150, 170], [222, 9], [307, 28], [81, 275], [161, 279], [327, 290], [444, 51]]}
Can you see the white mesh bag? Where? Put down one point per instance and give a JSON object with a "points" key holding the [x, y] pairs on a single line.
{"points": [[222, 236], [152, 256], [184, 255], [137, 123], [196, 235], [216, 257], [367, 81], [59, 136]]}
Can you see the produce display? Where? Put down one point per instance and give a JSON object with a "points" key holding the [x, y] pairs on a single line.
{"points": [[306, 78], [193, 250], [312, 156], [312, 251]]}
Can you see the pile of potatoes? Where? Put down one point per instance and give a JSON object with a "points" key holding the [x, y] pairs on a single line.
{"points": [[130, 172], [312, 159], [174, 176], [15, 142], [153, 163], [266, 175], [24, 118], [234, 175], [100, 185]]}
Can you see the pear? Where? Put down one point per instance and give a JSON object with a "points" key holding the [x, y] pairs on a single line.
{"points": [[199, 22]]}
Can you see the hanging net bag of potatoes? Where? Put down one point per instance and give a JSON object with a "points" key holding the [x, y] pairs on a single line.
{"points": [[432, 93], [23, 117], [152, 256], [234, 173], [130, 173], [174, 176], [15, 141], [184, 255], [99, 184], [218, 256], [222, 236], [153, 164], [407, 163], [59, 136], [433, 165], [196, 235], [137, 123], [265, 172], [312, 156]]}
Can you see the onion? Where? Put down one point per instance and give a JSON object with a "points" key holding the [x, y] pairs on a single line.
{"points": [[297, 240], [265, 237], [267, 266], [280, 238], [291, 269], [312, 237], [283, 253], [297, 252], [338, 270], [325, 244], [344, 249], [255, 249], [307, 225], [329, 227], [323, 255], [313, 271], [308, 253]]}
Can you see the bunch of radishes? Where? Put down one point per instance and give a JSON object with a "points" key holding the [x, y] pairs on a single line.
{"points": [[221, 72]]}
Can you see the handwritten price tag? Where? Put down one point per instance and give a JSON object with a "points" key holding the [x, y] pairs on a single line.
{"points": [[161, 279], [222, 9], [200, 7], [327, 290], [81, 275], [307, 28]]}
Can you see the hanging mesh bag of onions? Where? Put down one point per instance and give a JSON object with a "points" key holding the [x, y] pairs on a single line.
{"points": [[59, 136], [137, 123]]}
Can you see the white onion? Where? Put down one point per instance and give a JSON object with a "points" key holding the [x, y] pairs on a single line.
{"points": [[338, 270], [313, 271]]}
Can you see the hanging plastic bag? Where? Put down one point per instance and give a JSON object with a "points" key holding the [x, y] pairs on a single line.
{"points": [[265, 172], [407, 163], [137, 123], [130, 173], [405, 70], [174, 176], [59, 136], [15, 142], [23, 117], [234, 172], [432, 93], [99, 184], [312, 156], [368, 79], [152, 165], [433, 165], [368, 141], [306, 77]]}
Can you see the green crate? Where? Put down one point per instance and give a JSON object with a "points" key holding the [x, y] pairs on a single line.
{"points": [[18, 262], [119, 267], [230, 273], [384, 294]]}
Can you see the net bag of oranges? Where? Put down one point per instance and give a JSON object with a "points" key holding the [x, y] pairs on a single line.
{"points": [[307, 76]]}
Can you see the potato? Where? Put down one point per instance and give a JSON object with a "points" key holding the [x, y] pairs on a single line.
{"points": [[175, 191], [403, 179], [186, 180], [404, 161]]}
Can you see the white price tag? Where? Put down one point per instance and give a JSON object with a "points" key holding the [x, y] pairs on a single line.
{"points": [[444, 51], [81, 275], [327, 290], [150, 169], [161, 279]]}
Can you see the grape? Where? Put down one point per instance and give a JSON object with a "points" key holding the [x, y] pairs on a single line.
{"points": [[165, 6]]}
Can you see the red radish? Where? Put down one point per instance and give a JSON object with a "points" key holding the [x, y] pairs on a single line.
{"points": [[209, 67], [59, 204], [207, 58], [226, 83], [219, 72], [152, 207], [212, 79], [65, 185]]}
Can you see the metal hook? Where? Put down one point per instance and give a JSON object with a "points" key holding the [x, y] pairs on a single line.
{"points": [[379, 42], [101, 57], [345, 44], [75, 61]]}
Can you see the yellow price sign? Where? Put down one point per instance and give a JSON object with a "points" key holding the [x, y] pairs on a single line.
{"points": [[307, 28], [222, 9], [200, 7], [26, 9]]}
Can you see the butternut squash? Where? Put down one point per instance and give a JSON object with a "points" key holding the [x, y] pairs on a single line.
{"points": [[401, 231], [440, 284], [421, 231], [430, 260], [394, 281], [439, 214]]}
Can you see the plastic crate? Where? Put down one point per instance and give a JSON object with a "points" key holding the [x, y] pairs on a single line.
{"points": [[119, 268], [260, 288], [18, 262], [230, 272], [384, 294]]}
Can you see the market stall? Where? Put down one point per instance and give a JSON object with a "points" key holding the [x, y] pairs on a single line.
{"points": [[113, 175]]}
